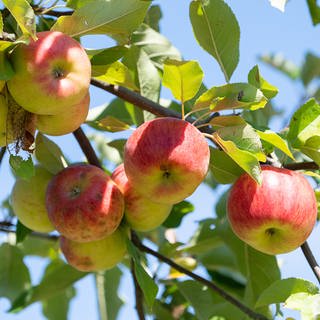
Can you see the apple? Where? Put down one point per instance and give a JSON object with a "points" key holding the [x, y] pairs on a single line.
{"points": [[52, 73], [141, 213], [274, 217], [95, 255], [166, 159], [28, 200], [83, 203], [64, 122]]}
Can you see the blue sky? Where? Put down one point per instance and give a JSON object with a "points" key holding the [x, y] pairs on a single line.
{"points": [[264, 29]]}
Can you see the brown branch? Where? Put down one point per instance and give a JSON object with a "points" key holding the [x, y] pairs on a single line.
{"points": [[138, 293], [2, 153], [311, 260], [302, 166], [226, 296]]}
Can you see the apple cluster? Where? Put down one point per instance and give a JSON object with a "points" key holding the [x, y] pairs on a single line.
{"points": [[165, 160], [51, 81]]}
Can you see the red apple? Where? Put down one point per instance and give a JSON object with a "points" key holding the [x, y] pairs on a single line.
{"points": [[276, 216], [51, 73], [141, 213], [95, 255], [83, 203], [64, 122], [28, 199], [166, 159]]}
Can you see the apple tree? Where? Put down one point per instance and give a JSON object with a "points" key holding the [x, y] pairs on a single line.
{"points": [[119, 206]]}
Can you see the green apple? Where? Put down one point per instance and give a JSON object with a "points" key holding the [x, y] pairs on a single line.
{"points": [[64, 122], [95, 255], [52, 73], [276, 216], [140, 212], [28, 201]]}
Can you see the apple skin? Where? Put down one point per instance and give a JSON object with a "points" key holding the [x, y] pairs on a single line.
{"points": [[83, 203], [28, 199], [140, 213], [166, 159], [95, 255], [64, 122], [275, 217], [51, 73]]}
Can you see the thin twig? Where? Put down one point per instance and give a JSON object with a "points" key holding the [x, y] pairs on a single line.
{"points": [[2, 153], [138, 293], [302, 166], [226, 296], [311, 260]]}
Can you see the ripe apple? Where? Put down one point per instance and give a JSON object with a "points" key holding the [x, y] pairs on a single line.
{"points": [[83, 203], [141, 213], [51, 73], [95, 255], [276, 216], [166, 159], [64, 122], [28, 200]]}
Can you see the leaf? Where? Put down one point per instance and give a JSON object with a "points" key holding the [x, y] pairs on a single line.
{"points": [[275, 140], [112, 124], [310, 69], [14, 275], [49, 154], [223, 168], [147, 284], [255, 78], [153, 17], [179, 210], [183, 78], [22, 168], [106, 56], [278, 4], [43, 247], [311, 148], [115, 73], [314, 11], [232, 96], [21, 232], [6, 69], [104, 17], [246, 160], [1, 25], [308, 305], [304, 124], [24, 15], [217, 31], [281, 290]]}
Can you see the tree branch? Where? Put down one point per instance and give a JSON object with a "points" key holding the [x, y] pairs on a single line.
{"points": [[311, 260], [138, 293], [226, 296], [302, 166]]}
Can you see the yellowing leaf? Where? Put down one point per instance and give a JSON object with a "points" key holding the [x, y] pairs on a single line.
{"points": [[183, 78], [112, 124], [227, 121]]}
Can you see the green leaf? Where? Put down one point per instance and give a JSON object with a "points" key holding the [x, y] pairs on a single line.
{"points": [[106, 56], [179, 210], [43, 247], [23, 14], [311, 148], [307, 304], [223, 168], [304, 124], [183, 78], [217, 31], [147, 284], [14, 275], [1, 24], [104, 17], [49, 154], [153, 17], [314, 10], [111, 124], [275, 140], [22, 168], [310, 69], [6, 69], [281, 290], [21, 232], [232, 96], [246, 160], [255, 78]]}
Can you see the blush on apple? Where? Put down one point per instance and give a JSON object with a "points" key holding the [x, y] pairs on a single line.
{"points": [[95, 255], [166, 159], [141, 213], [28, 199], [51, 73], [276, 216], [83, 203]]}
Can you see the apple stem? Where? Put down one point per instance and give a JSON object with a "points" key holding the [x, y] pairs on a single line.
{"points": [[225, 295], [311, 260]]}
